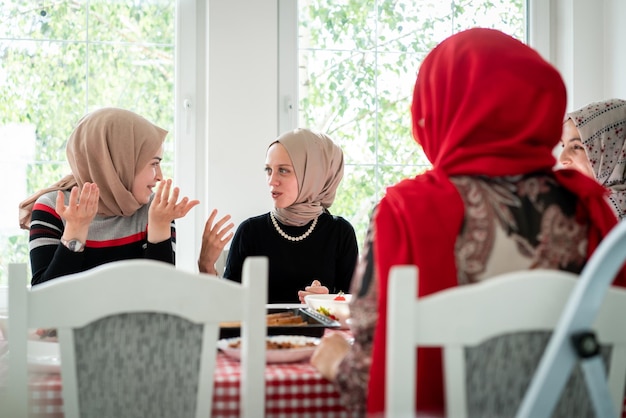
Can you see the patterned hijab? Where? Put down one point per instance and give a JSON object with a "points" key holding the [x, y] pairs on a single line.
{"points": [[484, 103], [602, 128], [318, 164], [108, 147]]}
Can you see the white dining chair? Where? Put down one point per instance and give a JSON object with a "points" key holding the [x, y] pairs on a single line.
{"points": [[138, 338], [574, 341], [463, 317]]}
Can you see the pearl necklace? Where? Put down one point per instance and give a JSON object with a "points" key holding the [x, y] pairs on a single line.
{"points": [[289, 237]]}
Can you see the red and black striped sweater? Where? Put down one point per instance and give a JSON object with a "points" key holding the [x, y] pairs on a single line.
{"points": [[110, 238]]}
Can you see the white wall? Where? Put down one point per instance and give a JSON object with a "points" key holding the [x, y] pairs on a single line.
{"points": [[242, 106], [229, 82], [615, 51], [586, 37]]}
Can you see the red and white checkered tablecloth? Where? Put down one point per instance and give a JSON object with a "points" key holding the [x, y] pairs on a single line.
{"points": [[292, 390], [45, 395]]}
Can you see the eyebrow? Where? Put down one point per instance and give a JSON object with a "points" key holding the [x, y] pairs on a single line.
{"points": [[157, 158], [280, 165], [575, 139]]}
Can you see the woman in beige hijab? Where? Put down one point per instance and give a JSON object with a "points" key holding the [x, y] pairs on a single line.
{"points": [[309, 249], [106, 209]]}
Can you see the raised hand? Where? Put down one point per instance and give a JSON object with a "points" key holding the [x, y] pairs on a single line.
{"points": [[79, 212], [164, 208], [214, 239]]}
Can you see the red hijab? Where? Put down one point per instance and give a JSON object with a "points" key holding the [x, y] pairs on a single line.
{"points": [[484, 103]]}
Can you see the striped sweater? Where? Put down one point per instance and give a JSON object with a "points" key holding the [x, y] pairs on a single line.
{"points": [[110, 238]]}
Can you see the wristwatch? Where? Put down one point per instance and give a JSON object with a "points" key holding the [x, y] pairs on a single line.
{"points": [[73, 245]]}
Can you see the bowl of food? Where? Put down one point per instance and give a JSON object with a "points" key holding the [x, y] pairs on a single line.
{"points": [[333, 305]]}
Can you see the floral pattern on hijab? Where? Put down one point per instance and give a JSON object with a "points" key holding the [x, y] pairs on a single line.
{"points": [[318, 164], [602, 127], [108, 147]]}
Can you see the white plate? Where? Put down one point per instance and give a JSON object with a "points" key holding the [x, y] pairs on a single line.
{"points": [[44, 357], [283, 355]]}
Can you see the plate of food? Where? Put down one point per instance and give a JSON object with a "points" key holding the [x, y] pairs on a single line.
{"points": [[285, 321], [44, 356], [279, 348]]}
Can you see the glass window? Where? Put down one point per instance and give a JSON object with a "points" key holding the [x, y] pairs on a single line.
{"points": [[357, 62], [60, 60]]}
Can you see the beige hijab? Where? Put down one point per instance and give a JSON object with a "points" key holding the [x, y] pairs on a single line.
{"points": [[108, 147], [318, 164]]}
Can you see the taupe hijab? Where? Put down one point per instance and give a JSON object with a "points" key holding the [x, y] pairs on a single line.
{"points": [[318, 164], [108, 147], [602, 128]]}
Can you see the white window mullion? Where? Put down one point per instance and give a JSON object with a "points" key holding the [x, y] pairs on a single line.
{"points": [[538, 22], [190, 114], [287, 65]]}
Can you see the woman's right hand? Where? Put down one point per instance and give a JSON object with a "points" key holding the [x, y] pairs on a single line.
{"points": [[165, 208], [315, 288], [79, 212], [214, 239]]}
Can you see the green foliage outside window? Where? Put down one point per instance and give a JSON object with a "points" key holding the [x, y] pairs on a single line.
{"points": [[62, 59], [357, 65]]}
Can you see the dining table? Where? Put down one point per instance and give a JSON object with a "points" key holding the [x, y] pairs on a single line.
{"points": [[293, 389]]}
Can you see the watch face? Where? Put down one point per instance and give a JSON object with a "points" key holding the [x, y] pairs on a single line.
{"points": [[75, 245]]}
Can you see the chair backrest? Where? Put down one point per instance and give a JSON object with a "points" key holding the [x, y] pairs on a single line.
{"points": [[588, 298], [465, 316], [139, 337]]}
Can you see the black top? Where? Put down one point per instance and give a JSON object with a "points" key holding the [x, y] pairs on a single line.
{"points": [[329, 254]]}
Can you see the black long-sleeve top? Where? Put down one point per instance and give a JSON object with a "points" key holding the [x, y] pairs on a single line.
{"points": [[329, 254]]}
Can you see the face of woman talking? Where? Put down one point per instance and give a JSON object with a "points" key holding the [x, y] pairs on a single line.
{"points": [[281, 176], [574, 154], [147, 178]]}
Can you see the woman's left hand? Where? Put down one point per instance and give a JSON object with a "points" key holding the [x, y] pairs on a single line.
{"points": [[315, 288], [214, 238], [164, 208], [330, 352]]}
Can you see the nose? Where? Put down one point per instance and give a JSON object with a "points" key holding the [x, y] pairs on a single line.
{"points": [[564, 159], [272, 179], [158, 174]]}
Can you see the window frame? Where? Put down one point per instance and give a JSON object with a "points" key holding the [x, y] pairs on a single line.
{"points": [[537, 36]]}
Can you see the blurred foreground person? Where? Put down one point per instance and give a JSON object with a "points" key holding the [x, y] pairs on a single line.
{"points": [[487, 111]]}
